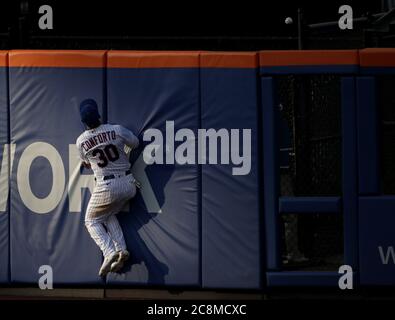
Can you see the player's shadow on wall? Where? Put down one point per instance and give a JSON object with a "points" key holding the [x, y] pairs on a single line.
{"points": [[144, 234]]}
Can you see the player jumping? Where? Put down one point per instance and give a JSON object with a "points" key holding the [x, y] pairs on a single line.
{"points": [[102, 148]]}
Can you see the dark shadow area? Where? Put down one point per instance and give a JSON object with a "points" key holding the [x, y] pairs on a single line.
{"points": [[176, 26], [137, 218]]}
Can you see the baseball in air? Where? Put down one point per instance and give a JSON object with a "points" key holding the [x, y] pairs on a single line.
{"points": [[288, 20]]}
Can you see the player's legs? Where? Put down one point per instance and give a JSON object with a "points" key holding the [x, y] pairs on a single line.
{"points": [[115, 232], [125, 190], [99, 234], [116, 235], [96, 214], [122, 191]]}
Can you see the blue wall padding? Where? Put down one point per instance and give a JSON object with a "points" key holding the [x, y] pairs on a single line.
{"points": [[376, 222], [4, 215], [164, 245], [309, 204], [303, 278], [230, 203], [44, 107], [271, 172], [368, 146]]}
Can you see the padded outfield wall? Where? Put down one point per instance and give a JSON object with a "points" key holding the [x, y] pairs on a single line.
{"points": [[180, 225], [208, 217]]}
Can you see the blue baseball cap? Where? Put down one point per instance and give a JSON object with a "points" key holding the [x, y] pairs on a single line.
{"points": [[89, 112]]}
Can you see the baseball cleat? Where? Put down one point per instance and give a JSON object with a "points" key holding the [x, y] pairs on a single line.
{"points": [[122, 257], [106, 266]]}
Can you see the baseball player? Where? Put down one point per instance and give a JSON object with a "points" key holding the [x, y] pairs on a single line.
{"points": [[102, 148]]}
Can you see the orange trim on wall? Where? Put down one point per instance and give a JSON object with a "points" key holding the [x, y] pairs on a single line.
{"points": [[229, 59], [3, 58], [308, 58], [153, 59], [377, 57], [57, 58]]}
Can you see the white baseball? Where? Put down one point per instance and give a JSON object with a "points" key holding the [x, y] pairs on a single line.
{"points": [[288, 20]]}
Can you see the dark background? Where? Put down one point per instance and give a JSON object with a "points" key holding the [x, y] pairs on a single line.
{"points": [[223, 25], [183, 18]]}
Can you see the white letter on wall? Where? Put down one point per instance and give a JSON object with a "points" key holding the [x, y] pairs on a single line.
{"points": [[35, 204], [6, 168], [77, 181]]}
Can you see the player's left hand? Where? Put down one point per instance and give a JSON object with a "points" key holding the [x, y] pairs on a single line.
{"points": [[86, 165]]}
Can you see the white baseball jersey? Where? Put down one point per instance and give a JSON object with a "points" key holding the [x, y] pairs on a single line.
{"points": [[104, 148]]}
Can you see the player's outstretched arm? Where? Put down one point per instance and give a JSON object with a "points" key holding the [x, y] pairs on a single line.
{"points": [[128, 137]]}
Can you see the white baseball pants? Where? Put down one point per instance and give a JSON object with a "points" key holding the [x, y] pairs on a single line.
{"points": [[108, 198]]}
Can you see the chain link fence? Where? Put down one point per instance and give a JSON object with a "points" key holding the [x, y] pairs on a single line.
{"points": [[310, 165], [312, 241]]}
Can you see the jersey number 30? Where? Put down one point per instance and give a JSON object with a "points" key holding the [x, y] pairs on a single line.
{"points": [[109, 153]]}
